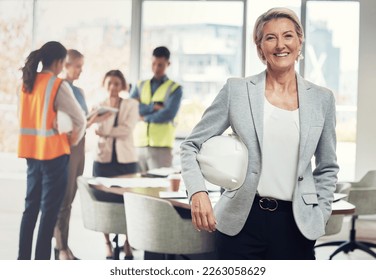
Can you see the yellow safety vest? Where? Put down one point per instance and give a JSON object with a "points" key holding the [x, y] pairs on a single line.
{"points": [[155, 134]]}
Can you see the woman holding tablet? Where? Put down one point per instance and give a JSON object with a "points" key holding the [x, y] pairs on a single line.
{"points": [[116, 154]]}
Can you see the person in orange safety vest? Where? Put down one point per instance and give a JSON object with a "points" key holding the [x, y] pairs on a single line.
{"points": [[45, 150]]}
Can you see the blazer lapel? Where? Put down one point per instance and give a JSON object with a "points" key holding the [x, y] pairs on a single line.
{"points": [[305, 107], [256, 94]]}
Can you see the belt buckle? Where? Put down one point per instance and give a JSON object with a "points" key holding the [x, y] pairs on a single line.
{"points": [[266, 203]]}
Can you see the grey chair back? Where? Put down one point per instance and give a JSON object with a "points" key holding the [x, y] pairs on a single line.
{"points": [[335, 222], [154, 225], [363, 194], [106, 217]]}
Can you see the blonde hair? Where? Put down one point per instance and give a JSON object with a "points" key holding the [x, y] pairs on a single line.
{"points": [[275, 13], [73, 54]]}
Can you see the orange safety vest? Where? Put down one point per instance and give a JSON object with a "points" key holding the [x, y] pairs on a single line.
{"points": [[37, 138]]}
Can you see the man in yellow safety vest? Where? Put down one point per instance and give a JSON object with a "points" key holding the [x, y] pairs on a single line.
{"points": [[160, 100]]}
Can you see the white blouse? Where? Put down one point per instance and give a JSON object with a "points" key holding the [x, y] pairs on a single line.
{"points": [[280, 152]]}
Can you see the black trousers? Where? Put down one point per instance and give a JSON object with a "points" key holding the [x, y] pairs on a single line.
{"points": [[266, 235]]}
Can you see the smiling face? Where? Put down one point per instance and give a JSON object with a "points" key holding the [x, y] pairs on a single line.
{"points": [[280, 45]]}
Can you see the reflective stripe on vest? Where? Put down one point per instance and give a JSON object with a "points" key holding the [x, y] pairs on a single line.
{"points": [[42, 131], [37, 138], [155, 134]]}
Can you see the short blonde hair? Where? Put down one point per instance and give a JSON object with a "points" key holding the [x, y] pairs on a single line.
{"points": [[275, 13], [73, 54]]}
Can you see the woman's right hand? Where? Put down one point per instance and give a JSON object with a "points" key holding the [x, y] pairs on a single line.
{"points": [[202, 212]]}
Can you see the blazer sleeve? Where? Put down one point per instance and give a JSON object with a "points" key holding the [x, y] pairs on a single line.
{"points": [[66, 102], [127, 123], [214, 121], [325, 173]]}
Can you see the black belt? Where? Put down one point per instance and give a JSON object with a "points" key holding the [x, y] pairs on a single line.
{"points": [[272, 204]]}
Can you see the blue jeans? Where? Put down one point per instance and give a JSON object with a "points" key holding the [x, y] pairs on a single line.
{"points": [[46, 185]]}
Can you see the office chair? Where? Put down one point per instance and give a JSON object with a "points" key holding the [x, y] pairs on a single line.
{"points": [[363, 195], [335, 222], [154, 225], [100, 216]]}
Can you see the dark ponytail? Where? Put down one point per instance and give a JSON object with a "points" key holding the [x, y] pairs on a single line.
{"points": [[47, 54], [29, 71]]}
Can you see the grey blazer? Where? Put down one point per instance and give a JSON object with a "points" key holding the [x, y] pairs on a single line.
{"points": [[240, 105]]}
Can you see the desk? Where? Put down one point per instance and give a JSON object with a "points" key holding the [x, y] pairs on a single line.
{"points": [[340, 207], [181, 207]]}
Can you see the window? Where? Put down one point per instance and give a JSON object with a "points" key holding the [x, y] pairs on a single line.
{"points": [[331, 57], [205, 47], [331, 60], [15, 42], [101, 33]]}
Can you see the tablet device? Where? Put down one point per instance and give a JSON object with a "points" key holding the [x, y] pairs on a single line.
{"points": [[102, 110]]}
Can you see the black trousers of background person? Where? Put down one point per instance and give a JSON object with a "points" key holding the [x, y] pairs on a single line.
{"points": [[266, 235]]}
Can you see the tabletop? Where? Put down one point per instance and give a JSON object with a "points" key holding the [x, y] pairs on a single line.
{"points": [[339, 207]]}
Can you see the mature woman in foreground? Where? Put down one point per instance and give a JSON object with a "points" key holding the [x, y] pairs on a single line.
{"points": [[283, 205]]}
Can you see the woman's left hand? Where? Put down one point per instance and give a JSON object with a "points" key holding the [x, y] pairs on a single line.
{"points": [[202, 212]]}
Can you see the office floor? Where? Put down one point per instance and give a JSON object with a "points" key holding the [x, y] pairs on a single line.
{"points": [[89, 245]]}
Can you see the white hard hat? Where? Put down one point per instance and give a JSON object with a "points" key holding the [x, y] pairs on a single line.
{"points": [[224, 161], [64, 122]]}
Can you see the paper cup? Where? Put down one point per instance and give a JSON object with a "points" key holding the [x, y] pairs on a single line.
{"points": [[174, 182]]}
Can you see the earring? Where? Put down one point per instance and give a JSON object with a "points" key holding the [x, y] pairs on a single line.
{"points": [[300, 56]]}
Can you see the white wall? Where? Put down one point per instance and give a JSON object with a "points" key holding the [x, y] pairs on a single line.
{"points": [[366, 119]]}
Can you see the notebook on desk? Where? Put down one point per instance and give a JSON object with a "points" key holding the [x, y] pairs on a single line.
{"points": [[130, 182], [161, 172], [338, 196], [179, 194]]}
